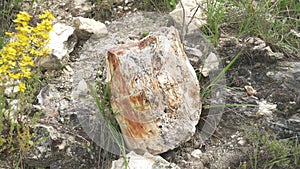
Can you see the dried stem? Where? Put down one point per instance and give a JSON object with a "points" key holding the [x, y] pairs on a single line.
{"points": [[183, 28], [187, 26]]}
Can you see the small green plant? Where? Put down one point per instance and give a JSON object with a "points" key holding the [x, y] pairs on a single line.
{"points": [[8, 10], [19, 82], [276, 22], [103, 104], [159, 5], [269, 152], [296, 152], [214, 82], [214, 11], [273, 21]]}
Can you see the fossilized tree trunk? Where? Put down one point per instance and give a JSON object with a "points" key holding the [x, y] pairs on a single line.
{"points": [[154, 91]]}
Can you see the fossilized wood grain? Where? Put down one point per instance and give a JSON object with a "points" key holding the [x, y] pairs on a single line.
{"points": [[154, 92]]}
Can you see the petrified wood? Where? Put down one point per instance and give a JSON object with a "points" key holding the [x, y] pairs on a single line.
{"points": [[154, 92]]}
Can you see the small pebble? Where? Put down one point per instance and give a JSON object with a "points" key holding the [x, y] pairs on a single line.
{"points": [[120, 7], [196, 153], [242, 142]]}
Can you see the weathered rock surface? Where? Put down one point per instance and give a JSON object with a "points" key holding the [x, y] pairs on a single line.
{"points": [[275, 80], [87, 28], [48, 100], [62, 10], [63, 39], [61, 45], [154, 91], [59, 40], [147, 161]]}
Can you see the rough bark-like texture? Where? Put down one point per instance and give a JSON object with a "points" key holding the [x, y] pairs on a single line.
{"points": [[154, 91]]}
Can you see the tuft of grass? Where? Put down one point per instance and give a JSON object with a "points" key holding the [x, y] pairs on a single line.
{"points": [[215, 12], [158, 5], [215, 82], [296, 152], [276, 22], [103, 104], [269, 152], [7, 13], [273, 21]]}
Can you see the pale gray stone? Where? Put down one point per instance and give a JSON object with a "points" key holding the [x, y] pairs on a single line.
{"points": [[196, 153], [265, 108], [89, 27], [210, 63], [58, 38], [49, 98]]}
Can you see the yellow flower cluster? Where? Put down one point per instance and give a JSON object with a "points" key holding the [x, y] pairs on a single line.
{"points": [[27, 43]]}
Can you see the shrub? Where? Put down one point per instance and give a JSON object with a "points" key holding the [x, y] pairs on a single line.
{"points": [[17, 57], [18, 71]]}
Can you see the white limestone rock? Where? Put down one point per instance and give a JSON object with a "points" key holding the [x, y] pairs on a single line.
{"points": [[61, 45], [196, 153], [147, 161], [265, 108]]}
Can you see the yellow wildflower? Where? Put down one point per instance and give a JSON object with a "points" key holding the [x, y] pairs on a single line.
{"points": [[26, 72], [23, 40], [46, 15], [47, 50], [14, 75], [24, 29], [10, 51], [28, 60], [21, 87], [22, 18], [11, 63], [3, 69], [10, 34], [17, 57]]}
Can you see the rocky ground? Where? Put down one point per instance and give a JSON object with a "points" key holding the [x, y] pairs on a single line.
{"points": [[272, 109]]}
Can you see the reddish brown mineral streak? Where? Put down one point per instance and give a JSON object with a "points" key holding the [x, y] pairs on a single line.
{"points": [[150, 93], [139, 130], [139, 102], [146, 42], [137, 127], [113, 59], [114, 62]]}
